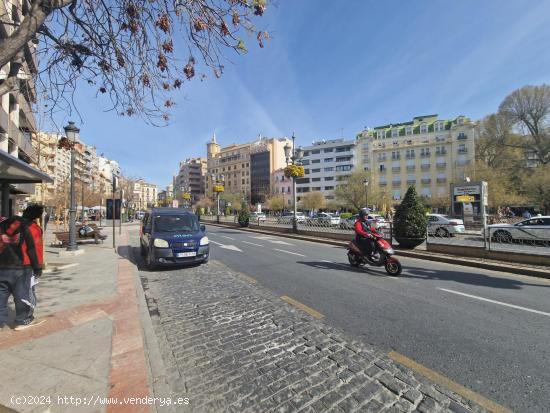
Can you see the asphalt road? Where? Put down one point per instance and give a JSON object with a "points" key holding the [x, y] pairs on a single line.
{"points": [[485, 330]]}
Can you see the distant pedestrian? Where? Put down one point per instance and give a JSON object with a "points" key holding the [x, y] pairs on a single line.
{"points": [[21, 260], [46, 220]]}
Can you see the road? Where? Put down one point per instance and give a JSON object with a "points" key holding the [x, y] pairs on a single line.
{"points": [[484, 330]]}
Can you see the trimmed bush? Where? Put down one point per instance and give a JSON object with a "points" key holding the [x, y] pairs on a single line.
{"points": [[244, 215], [410, 220]]}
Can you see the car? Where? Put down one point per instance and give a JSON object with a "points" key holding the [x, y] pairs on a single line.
{"points": [[348, 223], [444, 226], [286, 218], [380, 220], [325, 219], [257, 217], [536, 229], [173, 236]]}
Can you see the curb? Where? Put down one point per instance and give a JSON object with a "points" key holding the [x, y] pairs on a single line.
{"points": [[533, 272]]}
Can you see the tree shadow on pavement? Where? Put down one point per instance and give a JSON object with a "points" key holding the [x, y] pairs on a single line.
{"points": [[472, 278]]}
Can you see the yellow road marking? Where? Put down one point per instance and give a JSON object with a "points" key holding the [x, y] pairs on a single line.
{"points": [[303, 307], [448, 383]]}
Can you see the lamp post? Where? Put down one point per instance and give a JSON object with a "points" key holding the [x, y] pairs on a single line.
{"points": [[366, 182], [72, 134], [294, 159]]}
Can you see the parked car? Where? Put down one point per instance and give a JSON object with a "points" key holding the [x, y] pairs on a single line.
{"points": [[535, 229], [349, 222], [382, 222], [286, 218], [170, 236], [257, 216], [444, 226], [325, 219]]}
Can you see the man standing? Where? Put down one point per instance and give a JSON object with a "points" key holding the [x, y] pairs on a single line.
{"points": [[21, 260]]}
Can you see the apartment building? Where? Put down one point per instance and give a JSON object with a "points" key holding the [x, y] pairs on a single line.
{"points": [[427, 152], [144, 195], [327, 164], [282, 186], [190, 178], [247, 168], [17, 122]]}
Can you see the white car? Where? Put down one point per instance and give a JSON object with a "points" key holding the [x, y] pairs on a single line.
{"points": [[257, 216], [380, 220], [444, 226], [535, 229], [287, 218], [326, 219]]}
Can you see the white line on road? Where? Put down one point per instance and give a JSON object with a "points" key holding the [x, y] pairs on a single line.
{"points": [[214, 242], [289, 252], [496, 302], [223, 236], [252, 243]]}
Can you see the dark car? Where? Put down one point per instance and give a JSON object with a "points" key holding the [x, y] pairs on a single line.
{"points": [[172, 236]]}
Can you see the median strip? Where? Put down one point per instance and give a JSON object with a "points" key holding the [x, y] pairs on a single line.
{"points": [[303, 307], [448, 383]]}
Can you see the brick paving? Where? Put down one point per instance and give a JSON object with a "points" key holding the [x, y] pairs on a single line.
{"points": [[233, 346]]}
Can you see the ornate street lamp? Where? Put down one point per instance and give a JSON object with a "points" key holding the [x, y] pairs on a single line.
{"points": [[72, 134], [217, 188], [293, 158], [366, 182]]}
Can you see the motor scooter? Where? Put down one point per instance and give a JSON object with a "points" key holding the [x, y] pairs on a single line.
{"points": [[382, 257]]}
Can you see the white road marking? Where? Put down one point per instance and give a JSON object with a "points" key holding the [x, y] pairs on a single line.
{"points": [[289, 252], [279, 242], [223, 236], [227, 247], [252, 243], [496, 302]]}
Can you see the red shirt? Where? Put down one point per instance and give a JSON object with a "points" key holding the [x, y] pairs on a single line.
{"points": [[360, 230]]}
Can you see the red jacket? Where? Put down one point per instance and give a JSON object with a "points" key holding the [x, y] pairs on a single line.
{"points": [[360, 229], [21, 245]]}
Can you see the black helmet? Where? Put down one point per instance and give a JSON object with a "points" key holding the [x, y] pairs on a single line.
{"points": [[363, 213]]}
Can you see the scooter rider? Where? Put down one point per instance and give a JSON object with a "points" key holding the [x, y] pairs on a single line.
{"points": [[364, 236]]}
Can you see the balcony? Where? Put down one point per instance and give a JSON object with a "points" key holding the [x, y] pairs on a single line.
{"points": [[411, 167], [411, 156], [396, 169], [441, 180], [463, 150], [462, 137], [425, 154], [395, 158], [441, 165], [426, 181], [411, 181], [425, 167]]}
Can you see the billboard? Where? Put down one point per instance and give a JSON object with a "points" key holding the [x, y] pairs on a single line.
{"points": [[110, 208]]}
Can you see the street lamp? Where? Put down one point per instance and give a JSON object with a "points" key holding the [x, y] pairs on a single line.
{"points": [[293, 158], [216, 189], [72, 134], [366, 182]]}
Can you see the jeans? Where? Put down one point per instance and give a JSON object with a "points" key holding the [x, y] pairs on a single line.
{"points": [[17, 282]]}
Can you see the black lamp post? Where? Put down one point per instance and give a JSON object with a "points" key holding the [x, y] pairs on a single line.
{"points": [[293, 158], [72, 134]]}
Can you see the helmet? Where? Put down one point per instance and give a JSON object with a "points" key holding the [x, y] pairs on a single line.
{"points": [[363, 213]]}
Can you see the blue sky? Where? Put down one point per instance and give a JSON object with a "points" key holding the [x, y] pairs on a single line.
{"points": [[333, 67]]}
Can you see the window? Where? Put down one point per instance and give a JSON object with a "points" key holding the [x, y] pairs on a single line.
{"points": [[315, 171], [380, 134], [242, 181], [316, 161], [306, 171], [316, 188], [327, 150], [395, 155], [408, 130], [343, 168], [329, 178], [382, 168], [410, 154], [462, 148], [462, 136], [329, 188], [329, 169], [343, 158], [343, 149], [315, 179], [305, 162], [306, 153], [329, 159], [315, 151], [394, 133], [423, 128]]}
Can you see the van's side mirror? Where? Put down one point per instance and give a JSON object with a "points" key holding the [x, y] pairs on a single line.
{"points": [[203, 228]]}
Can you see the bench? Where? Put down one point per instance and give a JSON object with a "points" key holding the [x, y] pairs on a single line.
{"points": [[97, 236]]}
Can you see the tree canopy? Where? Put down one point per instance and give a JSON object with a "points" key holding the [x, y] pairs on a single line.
{"points": [[134, 52]]}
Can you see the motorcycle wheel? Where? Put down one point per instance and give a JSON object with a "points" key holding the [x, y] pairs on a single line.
{"points": [[393, 267], [353, 261]]}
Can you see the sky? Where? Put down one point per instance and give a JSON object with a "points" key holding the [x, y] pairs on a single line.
{"points": [[333, 67]]}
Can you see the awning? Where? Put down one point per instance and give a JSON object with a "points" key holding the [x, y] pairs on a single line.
{"points": [[15, 171]]}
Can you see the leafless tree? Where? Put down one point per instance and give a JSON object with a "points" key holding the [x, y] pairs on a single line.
{"points": [[528, 108], [135, 52]]}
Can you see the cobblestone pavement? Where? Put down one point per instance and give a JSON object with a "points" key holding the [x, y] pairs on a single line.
{"points": [[232, 346]]}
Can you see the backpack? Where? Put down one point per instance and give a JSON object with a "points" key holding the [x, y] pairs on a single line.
{"points": [[10, 234]]}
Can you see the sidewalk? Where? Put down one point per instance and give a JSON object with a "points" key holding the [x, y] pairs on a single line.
{"points": [[90, 346]]}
